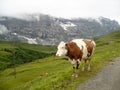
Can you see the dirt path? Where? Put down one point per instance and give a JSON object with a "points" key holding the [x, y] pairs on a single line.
{"points": [[107, 79]]}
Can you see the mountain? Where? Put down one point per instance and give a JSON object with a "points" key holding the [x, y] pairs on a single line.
{"points": [[48, 30]]}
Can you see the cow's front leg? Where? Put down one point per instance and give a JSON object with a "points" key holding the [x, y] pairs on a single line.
{"points": [[75, 71], [75, 64], [78, 63]]}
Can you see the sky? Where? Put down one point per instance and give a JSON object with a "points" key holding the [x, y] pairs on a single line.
{"points": [[63, 8]]}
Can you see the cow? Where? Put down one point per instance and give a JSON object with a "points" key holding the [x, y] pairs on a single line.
{"points": [[77, 50]]}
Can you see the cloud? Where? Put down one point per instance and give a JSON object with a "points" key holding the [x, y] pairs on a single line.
{"points": [[63, 8]]}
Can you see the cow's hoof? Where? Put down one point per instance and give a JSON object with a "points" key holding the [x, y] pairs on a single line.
{"points": [[89, 69], [73, 74], [76, 75]]}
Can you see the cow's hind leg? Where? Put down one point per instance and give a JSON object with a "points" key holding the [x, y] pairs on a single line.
{"points": [[84, 64], [89, 64]]}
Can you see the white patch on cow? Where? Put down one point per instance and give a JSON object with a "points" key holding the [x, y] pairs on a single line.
{"points": [[79, 61], [72, 61], [82, 45], [61, 49]]}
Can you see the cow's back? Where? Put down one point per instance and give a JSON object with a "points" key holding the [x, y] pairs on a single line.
{"points": [[86, 46]]}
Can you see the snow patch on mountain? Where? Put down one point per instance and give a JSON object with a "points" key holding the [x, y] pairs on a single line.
{"points": [[3, 29], [66, 25], [29, 40], [99, 21]]}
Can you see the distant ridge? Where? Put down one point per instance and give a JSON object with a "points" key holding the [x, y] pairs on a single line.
{"points": [[48, 30]]}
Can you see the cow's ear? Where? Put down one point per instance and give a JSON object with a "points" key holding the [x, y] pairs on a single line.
{"points": [[66, 45]]}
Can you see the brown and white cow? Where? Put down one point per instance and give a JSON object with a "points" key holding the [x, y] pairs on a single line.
{"points": [[76, 50]]}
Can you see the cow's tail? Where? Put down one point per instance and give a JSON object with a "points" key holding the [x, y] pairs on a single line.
{"points": [[94, 44]]}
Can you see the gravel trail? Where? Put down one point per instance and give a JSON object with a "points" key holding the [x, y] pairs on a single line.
{"points": [[107, 79]]}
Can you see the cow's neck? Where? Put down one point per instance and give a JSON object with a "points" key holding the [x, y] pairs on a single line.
{"points": [[68, 50]]}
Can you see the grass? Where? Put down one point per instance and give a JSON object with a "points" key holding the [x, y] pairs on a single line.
{"points": [[52, 73], [22, 53]]}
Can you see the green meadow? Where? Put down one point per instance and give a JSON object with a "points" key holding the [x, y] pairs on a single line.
{"points": [[34, 67]]}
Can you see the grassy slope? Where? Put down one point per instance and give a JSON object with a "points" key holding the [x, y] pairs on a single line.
{"points": [[22, 53], [55, 73]]}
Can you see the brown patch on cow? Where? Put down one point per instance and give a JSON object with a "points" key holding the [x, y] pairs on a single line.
{"points": [[89, 46], [74, 51]]}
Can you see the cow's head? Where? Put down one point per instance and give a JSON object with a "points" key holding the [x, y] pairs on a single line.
{"points": [[61, 49]]}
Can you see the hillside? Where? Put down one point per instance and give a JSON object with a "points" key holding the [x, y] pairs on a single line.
{"points": [[19, 53], [48, 30], [110, 38], [52, 73]]}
